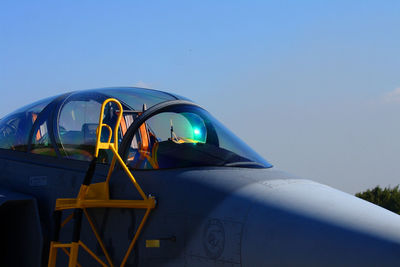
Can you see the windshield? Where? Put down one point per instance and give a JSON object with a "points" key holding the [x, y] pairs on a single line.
{"points": [[188, 136]]}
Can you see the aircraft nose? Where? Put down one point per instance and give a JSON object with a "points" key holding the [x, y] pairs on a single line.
{"points": [[300, 222]]}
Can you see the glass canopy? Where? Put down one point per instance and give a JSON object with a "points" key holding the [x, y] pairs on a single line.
{"points": [[181, 136]]}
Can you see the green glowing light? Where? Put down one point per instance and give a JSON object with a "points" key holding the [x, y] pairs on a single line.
{"points": [[196, 132]]}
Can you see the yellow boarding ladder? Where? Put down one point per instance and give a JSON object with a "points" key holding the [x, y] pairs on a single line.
{"points": [[97, 195]]}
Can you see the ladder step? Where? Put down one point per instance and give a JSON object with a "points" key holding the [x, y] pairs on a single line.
{"points": [[61, 245], [72, 203]]}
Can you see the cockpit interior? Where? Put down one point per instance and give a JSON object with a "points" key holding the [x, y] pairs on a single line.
{"points": [[158, 130]]}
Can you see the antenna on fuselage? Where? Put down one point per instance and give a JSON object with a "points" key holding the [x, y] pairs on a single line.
{"points": [[172, 129]]}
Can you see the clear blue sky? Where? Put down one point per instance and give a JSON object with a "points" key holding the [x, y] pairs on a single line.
{"points": [[311, 85]]}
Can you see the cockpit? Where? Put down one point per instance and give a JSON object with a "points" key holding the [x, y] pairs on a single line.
{"points": [[158, 130]]}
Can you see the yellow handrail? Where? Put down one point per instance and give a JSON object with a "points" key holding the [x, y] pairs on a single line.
{"points": [[102, 145]]}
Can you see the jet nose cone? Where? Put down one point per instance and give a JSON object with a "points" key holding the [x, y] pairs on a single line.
{"points": [[300, 222]]}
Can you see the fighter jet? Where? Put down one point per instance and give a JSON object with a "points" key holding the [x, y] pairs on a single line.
{"points": [[140, 177]]}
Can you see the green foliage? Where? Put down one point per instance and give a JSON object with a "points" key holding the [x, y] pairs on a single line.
{"points": [[388, 198]]}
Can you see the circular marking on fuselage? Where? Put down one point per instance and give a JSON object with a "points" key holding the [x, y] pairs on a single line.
{"points": [[214, 238]]}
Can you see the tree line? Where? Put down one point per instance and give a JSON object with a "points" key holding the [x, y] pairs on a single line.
{"points": [[388, 198]]}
